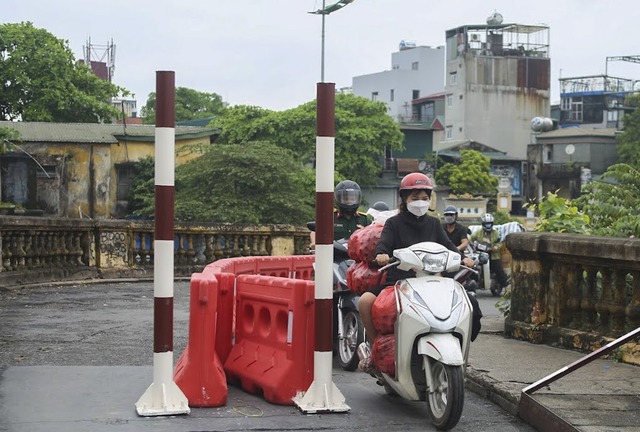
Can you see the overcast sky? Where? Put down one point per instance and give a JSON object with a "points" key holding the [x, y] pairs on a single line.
{"points": [[267, 52]]}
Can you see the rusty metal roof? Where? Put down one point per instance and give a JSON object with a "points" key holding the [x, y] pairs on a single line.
{"points": [[88, 133]]}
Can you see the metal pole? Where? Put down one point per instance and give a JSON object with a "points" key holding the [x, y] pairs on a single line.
{"points": [[163, 397], [323, 395], [322, 46]]}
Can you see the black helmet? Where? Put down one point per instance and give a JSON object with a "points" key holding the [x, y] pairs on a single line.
{"points": [[380, 206], [348, 196], [451, 210]]}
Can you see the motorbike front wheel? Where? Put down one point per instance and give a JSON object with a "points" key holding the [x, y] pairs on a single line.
{"points": [[446, 400], [352, 338]]}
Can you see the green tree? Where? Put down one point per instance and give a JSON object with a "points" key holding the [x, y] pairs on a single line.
{"points": [[559, 215], [471, 175], [363, 132], [40, 80], [142, 191], [629, 144], [190, 104], [7, 137], [612, 202], [257, 183]]}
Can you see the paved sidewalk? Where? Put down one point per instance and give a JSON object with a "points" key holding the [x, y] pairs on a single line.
{"points": [[77, 357]]}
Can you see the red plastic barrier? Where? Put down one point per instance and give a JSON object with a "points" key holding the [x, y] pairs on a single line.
{"points": [[279, 266], [303, 267], [274, 347], [226, 315], [199, 372], [220, 266]]}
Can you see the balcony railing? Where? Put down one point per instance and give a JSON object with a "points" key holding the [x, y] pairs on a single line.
{"points": [[559, 170]]}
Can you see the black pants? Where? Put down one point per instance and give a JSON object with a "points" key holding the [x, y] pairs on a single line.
{"points": [[496, 267], [477, 314]]}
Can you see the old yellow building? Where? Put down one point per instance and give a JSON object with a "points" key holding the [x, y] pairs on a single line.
{"points": [[78, 170]]}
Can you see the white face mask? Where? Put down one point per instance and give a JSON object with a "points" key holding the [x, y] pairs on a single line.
{"points": [[419, 208], [449, 219]]}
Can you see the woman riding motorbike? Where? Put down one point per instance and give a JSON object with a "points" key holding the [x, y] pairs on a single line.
{"points": [[411, 225]]}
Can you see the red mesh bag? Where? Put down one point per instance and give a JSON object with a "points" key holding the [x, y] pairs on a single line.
{"points": [[361, 277], [362, 243], [383, 354], [383, 311]]}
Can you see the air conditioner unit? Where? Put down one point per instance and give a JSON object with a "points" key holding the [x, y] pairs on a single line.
{"points": [[475, 37]]}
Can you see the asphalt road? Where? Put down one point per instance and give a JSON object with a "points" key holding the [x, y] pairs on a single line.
{"points": [[105, 330]]}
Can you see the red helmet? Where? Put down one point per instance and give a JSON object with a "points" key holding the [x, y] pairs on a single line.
{"points": [[416, 181]]}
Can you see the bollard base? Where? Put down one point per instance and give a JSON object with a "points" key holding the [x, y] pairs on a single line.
{"points": [[162, 399], [321, 398]]}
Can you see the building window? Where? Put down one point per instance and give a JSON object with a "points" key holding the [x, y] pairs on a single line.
{"points": [[47, 172], [448, 132], [374, 96], [391, 95], [414, 66], [573, 108], [449, 100], [415, 94], [453, 78], [125, 175], [547, 154]]}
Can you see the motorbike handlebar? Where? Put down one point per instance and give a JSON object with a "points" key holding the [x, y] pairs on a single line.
{"points": [[392, 263]]}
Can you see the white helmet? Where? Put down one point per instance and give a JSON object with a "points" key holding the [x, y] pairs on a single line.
{"points": [[487, 221]]}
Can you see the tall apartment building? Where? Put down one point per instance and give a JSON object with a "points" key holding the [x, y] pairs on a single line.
{"points": [[416, 71], [497, 80]]}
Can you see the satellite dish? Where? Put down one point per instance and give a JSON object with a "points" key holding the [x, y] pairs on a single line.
{"points": [[570, 149]]}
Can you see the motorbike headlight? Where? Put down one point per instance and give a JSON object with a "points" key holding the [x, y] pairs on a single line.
{"points": [[435, 263]]}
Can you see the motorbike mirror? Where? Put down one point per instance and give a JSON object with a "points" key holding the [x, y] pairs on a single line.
{"points": [[311, 225]]}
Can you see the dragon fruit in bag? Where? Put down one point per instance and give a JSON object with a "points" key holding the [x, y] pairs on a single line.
{"points": [[361, 277], [362, 243], [383, 354], [384, 312]]}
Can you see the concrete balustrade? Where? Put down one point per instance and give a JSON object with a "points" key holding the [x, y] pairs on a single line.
{"points": [[35, 249], [575, 291]]}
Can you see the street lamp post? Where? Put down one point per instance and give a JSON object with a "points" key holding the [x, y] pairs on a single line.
{"points": [[326, 10], [323, 395]]}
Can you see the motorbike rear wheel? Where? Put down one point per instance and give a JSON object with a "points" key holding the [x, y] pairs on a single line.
{"points": [[446, 400], [353, 337]]}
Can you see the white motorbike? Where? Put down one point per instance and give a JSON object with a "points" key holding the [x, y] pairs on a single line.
{"points": [[432, 332]]}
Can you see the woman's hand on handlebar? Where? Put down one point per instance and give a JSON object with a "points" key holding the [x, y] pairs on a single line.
{"points": [[382, 259]]}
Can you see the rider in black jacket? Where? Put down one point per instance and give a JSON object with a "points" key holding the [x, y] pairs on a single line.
{"points": [[410, 226]]}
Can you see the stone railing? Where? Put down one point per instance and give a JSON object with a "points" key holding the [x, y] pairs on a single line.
{"points": [[35, 249], [574, 291]]}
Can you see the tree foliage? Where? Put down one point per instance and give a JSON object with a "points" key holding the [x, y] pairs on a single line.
{"points": [[363, 132], [257, 182], [612, 202], [629, 144], [559, 215], [189, 104], [40, 80], [472, 175], [8, 136]]}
